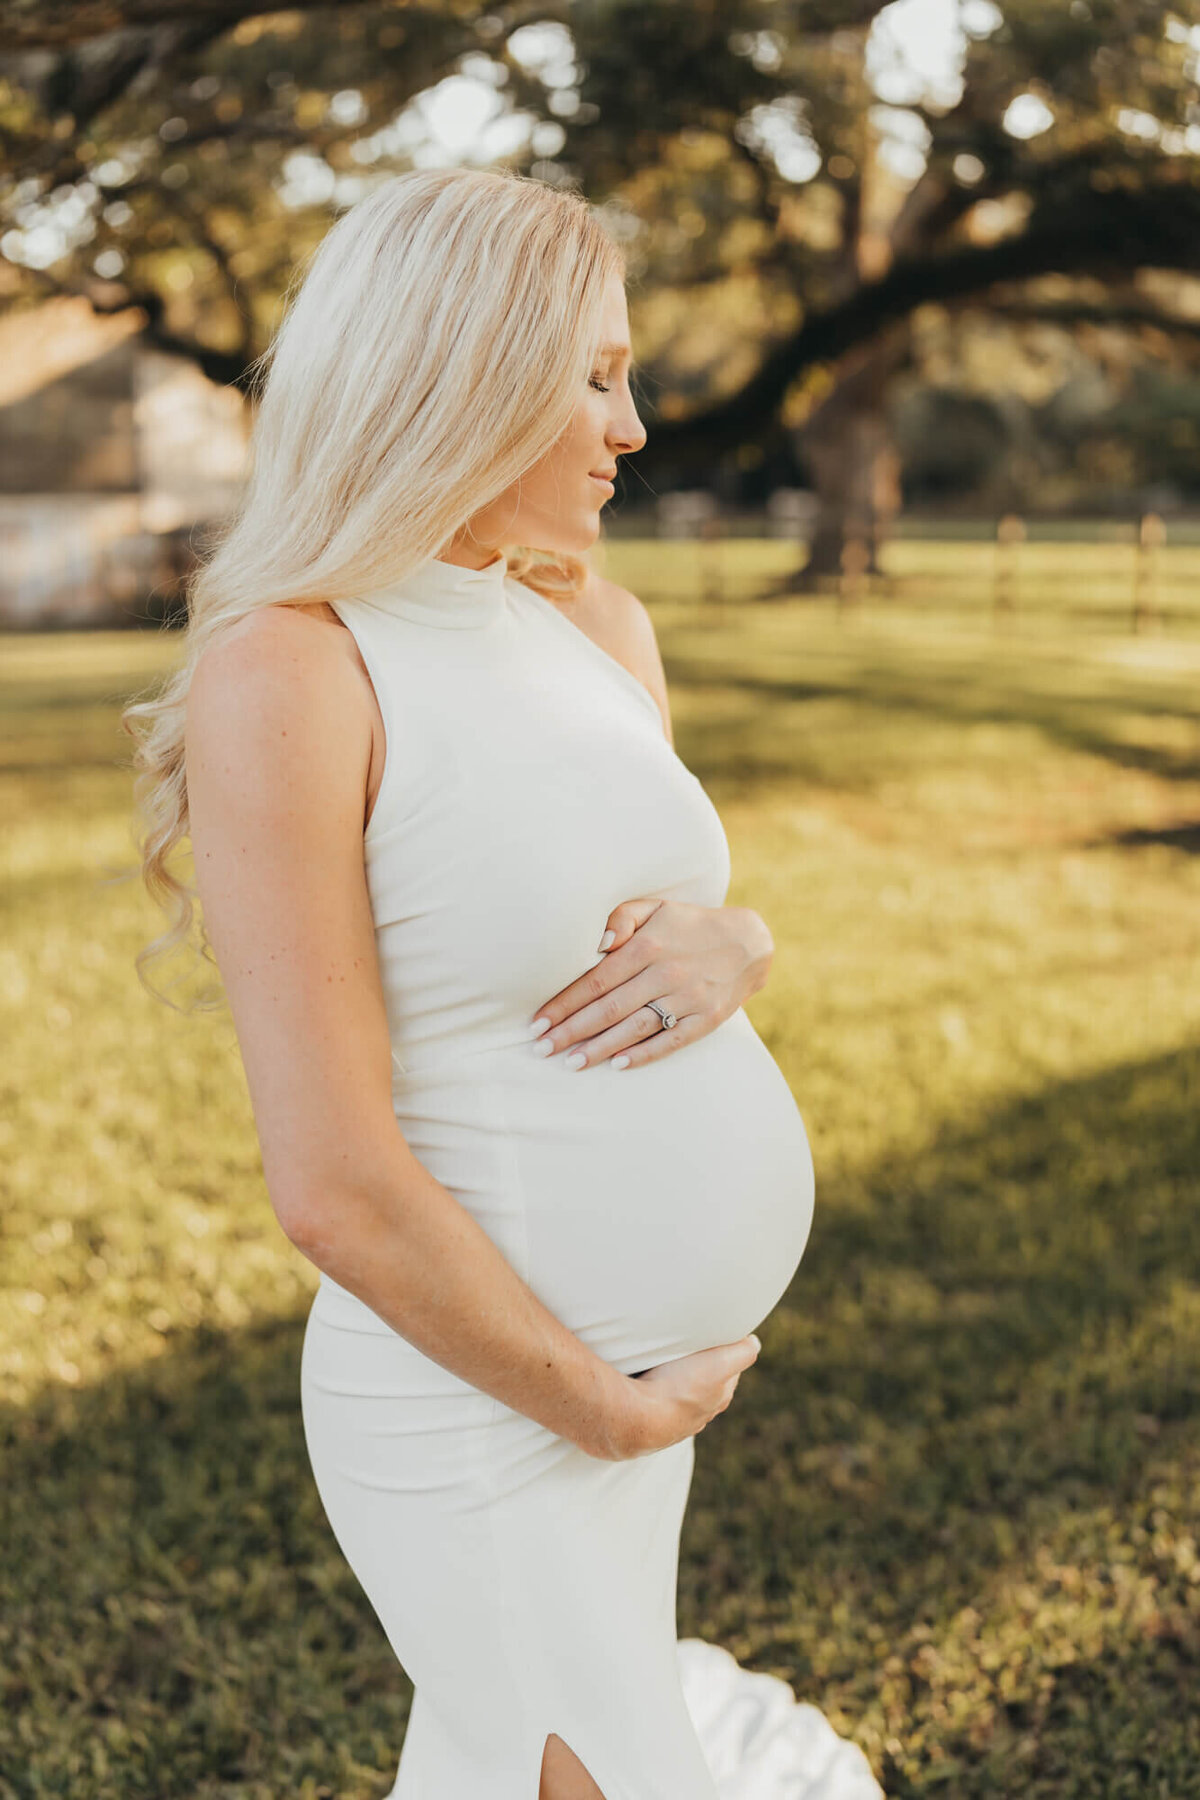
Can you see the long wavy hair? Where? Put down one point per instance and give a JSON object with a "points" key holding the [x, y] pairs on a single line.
{"points": [[433, 350]]}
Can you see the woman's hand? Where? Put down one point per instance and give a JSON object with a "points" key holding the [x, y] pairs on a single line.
{"points": [[676, 1400], [700, 962]]}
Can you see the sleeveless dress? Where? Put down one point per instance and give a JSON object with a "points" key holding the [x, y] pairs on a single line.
{"points": [[526, 1587]]}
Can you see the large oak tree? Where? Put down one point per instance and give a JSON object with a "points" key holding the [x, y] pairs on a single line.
{"points": [[791, 200]]}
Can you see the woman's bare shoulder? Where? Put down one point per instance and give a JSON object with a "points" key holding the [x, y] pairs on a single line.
{"points": [[272, 648], [280, 667]]}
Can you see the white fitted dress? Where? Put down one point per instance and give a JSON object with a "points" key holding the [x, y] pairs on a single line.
{"points": [[526, 1587]]}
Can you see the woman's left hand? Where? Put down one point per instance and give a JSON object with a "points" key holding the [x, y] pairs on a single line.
{"points": [[699, 962]]}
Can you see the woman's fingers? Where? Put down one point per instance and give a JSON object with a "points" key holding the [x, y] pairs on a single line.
{"points": [[624, 920], [613, 1009], [688, 1393], [626, 953], [617, 1044], [589, 990], [651, 949], [661, 1042]]}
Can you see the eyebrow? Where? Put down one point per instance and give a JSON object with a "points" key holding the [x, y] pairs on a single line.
{"points": [[615, 350]]}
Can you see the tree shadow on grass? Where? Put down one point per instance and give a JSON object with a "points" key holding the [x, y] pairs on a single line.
{"points": [[1176, 837], [978, 1401], [981, 1390], [177, 1619], [766, 738]]}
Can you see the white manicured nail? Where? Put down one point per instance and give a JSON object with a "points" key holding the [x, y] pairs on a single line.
{"points": [[538, 1026], [620, 1062], [543, 1047], [576, 1059], [607, 939]]}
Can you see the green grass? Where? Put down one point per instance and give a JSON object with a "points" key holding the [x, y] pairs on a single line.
{"points": [[957, 1501], [1055, 584]]}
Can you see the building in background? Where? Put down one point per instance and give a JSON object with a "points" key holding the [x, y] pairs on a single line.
{"points": [[112, 454]]}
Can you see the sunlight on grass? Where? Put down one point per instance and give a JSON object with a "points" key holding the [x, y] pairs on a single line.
{"points": [[956, 1501]]}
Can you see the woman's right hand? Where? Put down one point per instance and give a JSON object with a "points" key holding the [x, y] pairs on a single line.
{"points": [[676, 1400]]}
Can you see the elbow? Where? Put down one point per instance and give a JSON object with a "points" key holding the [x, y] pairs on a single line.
{"points": [[310, 1216], [324, 1213], [299, 1222], [327, 1195]]}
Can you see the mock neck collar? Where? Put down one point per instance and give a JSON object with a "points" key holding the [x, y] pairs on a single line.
{"points": [[447, 594]]}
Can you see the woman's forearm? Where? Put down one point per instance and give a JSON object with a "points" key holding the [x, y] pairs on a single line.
{"points": [[406, 1247]]}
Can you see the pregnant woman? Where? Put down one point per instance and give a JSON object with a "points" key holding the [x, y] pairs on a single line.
{"points": [[468, 907]]}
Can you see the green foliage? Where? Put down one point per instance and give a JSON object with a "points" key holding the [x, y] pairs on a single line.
{"points": [[183, 174], [747, 141], [956, 1501]]}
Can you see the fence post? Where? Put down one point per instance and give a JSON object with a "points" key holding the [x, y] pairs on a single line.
{"points": [[1010, 535], [692, 513], [1152, 534], [712, 560]]}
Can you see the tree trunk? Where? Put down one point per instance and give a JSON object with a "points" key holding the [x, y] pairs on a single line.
{"points": [[847, 446]]}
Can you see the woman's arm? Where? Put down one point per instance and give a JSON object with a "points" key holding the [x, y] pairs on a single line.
{"points": [[277, 744]]}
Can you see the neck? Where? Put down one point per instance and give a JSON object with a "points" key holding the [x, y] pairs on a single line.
{"points": [[443, 593], [470, 555]]}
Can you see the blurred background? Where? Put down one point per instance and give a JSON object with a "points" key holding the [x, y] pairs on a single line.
{"points": [[915, 295]]}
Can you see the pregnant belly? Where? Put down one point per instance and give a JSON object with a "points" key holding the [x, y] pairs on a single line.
{"points": [[655, 1210]]}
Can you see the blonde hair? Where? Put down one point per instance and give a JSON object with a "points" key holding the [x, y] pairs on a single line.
{"points": [[433, 351]]}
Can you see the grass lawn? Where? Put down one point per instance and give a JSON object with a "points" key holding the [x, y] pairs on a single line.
{"points": [[957, 1501]]}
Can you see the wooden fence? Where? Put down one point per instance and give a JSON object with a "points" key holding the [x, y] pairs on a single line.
{"points": [[1137, 575]]}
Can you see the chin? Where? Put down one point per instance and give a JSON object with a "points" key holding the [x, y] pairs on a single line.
{"points": [[571, 539]]}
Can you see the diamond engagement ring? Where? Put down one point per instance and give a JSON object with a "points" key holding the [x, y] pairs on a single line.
{"points": [[668, 1018]]}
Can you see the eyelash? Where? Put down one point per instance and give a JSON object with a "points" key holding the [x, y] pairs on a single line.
{"points": [[594, 381]]}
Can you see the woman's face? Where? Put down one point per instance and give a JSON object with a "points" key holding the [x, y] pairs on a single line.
{"points": [[556, 504]]}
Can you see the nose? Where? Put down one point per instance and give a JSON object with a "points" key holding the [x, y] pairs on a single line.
{"points": [[626, 432]]}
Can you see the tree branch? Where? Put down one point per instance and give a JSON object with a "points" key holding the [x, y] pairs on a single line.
{"points": [[83, 83], [1115, 232], [1121, 313], [57, 24]]}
